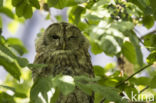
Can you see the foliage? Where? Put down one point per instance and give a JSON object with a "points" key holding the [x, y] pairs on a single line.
{"points": [[109, 26]]}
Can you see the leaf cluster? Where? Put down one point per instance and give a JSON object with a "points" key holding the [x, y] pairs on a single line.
{"points": [[109, 25]]}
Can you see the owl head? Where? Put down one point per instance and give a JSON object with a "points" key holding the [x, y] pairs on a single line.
{"points": [[62, 37]]}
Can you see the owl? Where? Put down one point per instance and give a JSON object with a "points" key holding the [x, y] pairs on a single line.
{"points": [[65, 51]]}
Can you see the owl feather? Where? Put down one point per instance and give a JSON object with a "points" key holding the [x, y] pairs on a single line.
{"points": [[65, 51]]}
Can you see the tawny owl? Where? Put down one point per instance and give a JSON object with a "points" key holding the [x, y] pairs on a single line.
{"points": [[65, 50]]}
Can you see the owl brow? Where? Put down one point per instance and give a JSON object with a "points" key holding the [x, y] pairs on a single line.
{"points": [[52, 25], [73, 28]]}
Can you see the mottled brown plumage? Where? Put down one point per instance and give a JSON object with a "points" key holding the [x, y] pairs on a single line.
{"points": [[65, 50]]}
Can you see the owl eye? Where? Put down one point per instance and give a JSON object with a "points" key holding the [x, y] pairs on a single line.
{"points": [[55, 37], [72, 37]]}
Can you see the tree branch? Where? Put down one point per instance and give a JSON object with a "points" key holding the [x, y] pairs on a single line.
{"points": [[143, 68], [140, 38], [0, 31], [87, 21], [144, 89], [152, 32]]}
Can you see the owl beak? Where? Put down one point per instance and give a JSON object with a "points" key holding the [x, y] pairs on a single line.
{"points": [[64, 46]]}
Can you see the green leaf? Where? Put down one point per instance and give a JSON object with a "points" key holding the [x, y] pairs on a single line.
{"points": [[98, 70], [75, 14], [64, 83], [154, 14], [7, 87], [85, 79], [22, 87], [19, 48], [93, 19], [20, 8], [55, 96], [152, 57], [1, 3], [82, 26], [109, 45], [27, 12], [41, 85], [24, 9], [141, 80], [108, 93], [141, 4], [98, 97], [148, 21], [108, 82], [16, 44], [16, 2], [9, 63], [60, 4], [35, 3], [84, 88], [38, 100], [20, 95], [0, 26], [128, 51], [100, 3], [152, 3], [150, 41], [80, 80], [2, 40], [130, 89], [5, 98], [124, 25], [23, 62], [95, 49], [136, 44], [81, 1], [7, 12], [16, 94], [153, 83]]}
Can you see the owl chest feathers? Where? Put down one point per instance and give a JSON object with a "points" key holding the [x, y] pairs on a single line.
{"points": [[66, 63]]}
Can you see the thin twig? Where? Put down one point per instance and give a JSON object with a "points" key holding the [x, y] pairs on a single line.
{"points": [[144, 89], [139, 38], [143, 68], [0, 31], [87, 21], [152, 32], [45, 7]]}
